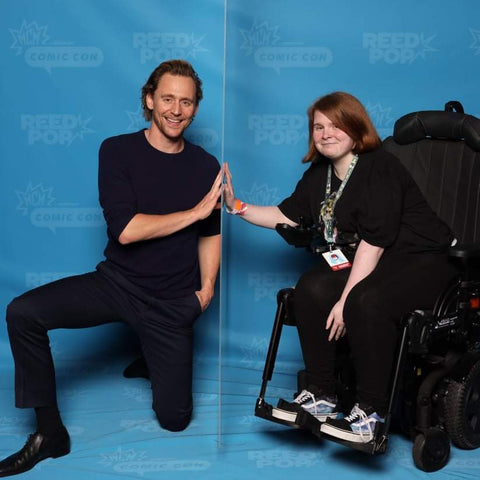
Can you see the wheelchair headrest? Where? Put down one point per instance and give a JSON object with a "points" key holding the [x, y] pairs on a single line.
{"points": [[441, 125]]}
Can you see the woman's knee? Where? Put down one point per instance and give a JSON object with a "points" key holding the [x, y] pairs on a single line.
{"points": [[313, 286], [368, 310]]}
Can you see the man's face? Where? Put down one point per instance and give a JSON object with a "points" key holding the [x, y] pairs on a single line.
{"points": [[173, 105]]}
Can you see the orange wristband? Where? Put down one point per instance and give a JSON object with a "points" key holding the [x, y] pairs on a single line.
{"points": [[239, 208]]}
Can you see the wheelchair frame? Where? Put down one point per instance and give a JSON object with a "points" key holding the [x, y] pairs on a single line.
{"points": [[419, 331]]}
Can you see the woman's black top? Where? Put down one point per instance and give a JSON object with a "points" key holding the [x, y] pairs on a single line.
{"points": [[381, 203]]}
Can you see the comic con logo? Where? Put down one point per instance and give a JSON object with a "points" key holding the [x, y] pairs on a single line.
{"points": [[261, 195], [137, 463], [382, 118], [33, 41], [39, 205], [263, 42], [282, 129], [54, 128], [253, 352], [397, 48], [158, 46]]}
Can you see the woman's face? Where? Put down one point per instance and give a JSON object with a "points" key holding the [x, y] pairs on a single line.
{"points": [[329, 140]]}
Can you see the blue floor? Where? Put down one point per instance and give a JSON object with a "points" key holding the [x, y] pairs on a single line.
{"points": [[114, 434]]}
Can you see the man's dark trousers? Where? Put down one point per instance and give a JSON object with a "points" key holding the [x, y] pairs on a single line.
{"points": [[164, 327]]}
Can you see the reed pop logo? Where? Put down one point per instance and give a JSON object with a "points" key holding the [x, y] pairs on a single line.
{"points": [[278, 129], [397, 47], [136, 119], [159, 46], [54, 128], [265, 285], [281, 458], [476, 41]]}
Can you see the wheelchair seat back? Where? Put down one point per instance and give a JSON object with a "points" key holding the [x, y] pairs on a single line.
{"points": [[441, 150]]}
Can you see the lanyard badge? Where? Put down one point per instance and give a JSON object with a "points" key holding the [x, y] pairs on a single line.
{"points": [[335, 258]]}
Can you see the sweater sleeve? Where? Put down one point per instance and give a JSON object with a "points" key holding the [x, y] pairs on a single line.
{"points": [[211, 225], [117, 197]]}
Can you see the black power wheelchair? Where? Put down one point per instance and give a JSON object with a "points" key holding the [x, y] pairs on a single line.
{"points": [[435, 386]]}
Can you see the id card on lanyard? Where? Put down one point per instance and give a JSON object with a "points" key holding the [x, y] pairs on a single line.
{"points": [[335, 257]]}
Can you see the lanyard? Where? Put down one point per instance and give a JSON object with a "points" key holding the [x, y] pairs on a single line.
{"points": [[328, 205]]}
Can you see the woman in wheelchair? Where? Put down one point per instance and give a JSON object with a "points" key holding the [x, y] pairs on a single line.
{"points": [[354, 188]]}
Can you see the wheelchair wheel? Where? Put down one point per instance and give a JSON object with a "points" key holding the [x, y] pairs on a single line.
{"points": [[462, 410], [431, 450]]}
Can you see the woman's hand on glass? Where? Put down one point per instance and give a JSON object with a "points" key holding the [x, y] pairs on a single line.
{"points": [[228, 193]]}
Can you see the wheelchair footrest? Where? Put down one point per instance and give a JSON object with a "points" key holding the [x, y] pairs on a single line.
{"points": [[264, 410], [308, 422], [375, 446]]}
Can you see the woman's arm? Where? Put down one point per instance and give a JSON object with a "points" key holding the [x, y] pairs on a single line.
{"points": [[263, 216], [365, 261], [266, 217]]}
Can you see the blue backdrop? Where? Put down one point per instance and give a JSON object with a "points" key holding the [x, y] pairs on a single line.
{"points": [[396, 57], [72, 73], [71, 76]]}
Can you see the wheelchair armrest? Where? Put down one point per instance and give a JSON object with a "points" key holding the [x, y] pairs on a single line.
{"points": [[465, 252], [285, 300], [469, 251], [311, 237], [299, 237]]}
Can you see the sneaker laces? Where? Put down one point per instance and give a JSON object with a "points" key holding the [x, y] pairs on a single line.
{"points": [[358, 414], [304, 395]]}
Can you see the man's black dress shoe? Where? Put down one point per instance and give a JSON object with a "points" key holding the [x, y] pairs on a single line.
{"points": [[137, 369], [38, 448]]}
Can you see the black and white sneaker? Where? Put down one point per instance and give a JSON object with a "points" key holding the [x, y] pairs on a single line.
{"points": [[311, 401], [358, 427]]}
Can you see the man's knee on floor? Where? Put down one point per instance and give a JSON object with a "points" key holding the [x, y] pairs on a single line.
{"points": [[174, 421]]}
